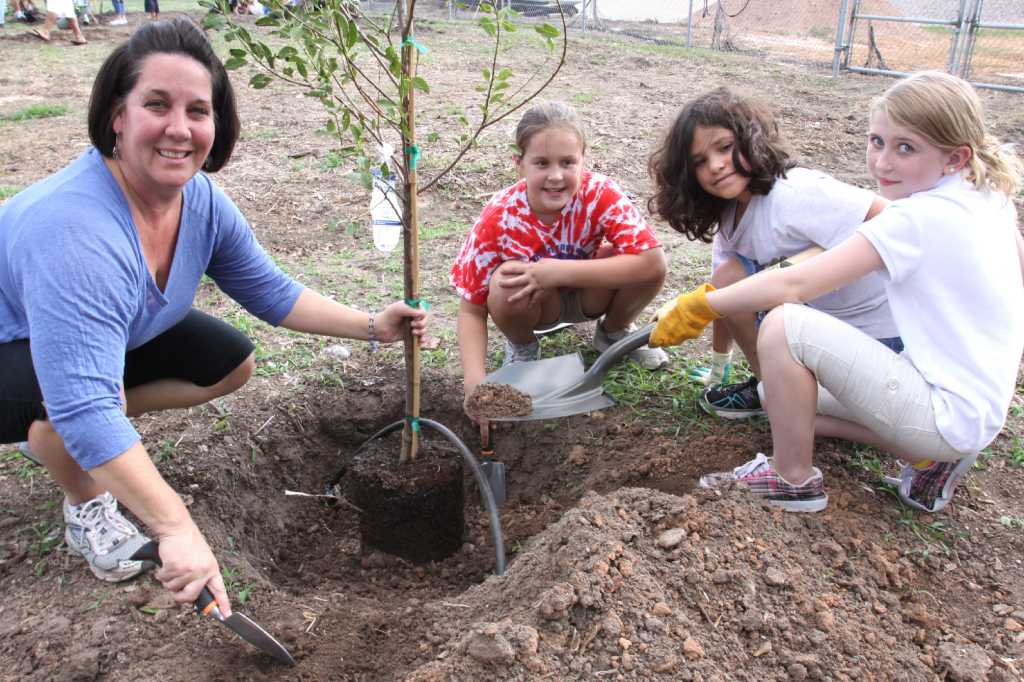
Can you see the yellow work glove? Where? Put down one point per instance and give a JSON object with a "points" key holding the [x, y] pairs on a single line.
{"points": [[684, 318]]}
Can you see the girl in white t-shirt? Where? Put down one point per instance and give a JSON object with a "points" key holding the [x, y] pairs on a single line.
{"points": [[953, 261], [724, 171]]}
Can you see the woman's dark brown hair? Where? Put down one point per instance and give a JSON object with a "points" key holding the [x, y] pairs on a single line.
{"points": [[679, 199], [120, 72]]}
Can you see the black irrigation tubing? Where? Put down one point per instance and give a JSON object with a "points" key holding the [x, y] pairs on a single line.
{"points": [[474, 465]]}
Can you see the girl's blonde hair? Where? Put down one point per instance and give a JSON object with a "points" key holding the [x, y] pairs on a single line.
{"points": [[946, 111], [548, 115]]}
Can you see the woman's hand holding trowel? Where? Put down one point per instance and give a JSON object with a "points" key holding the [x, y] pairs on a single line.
{"points": [[188, 565]]}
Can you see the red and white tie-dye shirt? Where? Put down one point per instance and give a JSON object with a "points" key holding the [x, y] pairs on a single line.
{"points": [[508, 230]]}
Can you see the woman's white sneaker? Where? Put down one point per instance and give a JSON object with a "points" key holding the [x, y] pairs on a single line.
{"points": [[98, 531]]}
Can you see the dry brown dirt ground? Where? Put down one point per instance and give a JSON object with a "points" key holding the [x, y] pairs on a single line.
{"points": [[618, 567]]}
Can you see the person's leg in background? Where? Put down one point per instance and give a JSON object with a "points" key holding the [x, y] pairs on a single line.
{"points": [[122, 18]]}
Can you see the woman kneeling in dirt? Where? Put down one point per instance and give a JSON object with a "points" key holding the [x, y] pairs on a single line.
{"points": [[101, 263]]}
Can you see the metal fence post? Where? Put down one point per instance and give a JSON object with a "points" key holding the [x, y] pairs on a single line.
{"points": [[839, 37], [689, 25]]}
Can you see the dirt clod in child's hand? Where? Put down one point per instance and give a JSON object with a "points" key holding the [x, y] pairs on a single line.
{"points": [[499, 400]]}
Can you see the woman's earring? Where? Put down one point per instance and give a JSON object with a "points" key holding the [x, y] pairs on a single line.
{"points": [[951, 170], [114, 153]]}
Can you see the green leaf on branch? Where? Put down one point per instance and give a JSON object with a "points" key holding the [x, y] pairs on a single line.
{"points": [[420, 84], [487, 24], [394, 62], [351, 34], [213, 22], [268, 21], [504, 74], [487, 74], [547, 30], [259, 81]]}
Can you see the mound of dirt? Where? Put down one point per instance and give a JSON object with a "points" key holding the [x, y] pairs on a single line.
{"points": [[709, 586], [499, 400]]}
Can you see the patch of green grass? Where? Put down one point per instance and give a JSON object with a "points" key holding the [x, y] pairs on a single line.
{"points": [[1016, 454], [36, 111], [583, 97], [299, 355], [7, 191], [446, 228], [869, 460], [332, 161], [271, 133], [44, 537], [665, 398], [1013, 522], [234, 582], [165, 450], [822, 32], [935, 534]]}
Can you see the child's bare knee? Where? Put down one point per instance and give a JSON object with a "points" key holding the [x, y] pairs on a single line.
{"points": [[773, 329], [728, 272]]}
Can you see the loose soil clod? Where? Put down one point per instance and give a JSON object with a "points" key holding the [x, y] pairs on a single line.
{"points": [[499, 400]]}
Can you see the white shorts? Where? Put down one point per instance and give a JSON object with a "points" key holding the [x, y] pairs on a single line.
{"points": [[862, 381], [64, 9]]}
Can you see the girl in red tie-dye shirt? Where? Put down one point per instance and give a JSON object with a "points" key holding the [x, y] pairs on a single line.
{"points": [[561, 245]]}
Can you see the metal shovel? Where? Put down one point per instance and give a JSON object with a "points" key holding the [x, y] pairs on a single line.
{"points": [[559, 387], [241, 624]]}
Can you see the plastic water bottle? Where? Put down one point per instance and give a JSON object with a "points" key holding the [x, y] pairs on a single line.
{"points": [[385, 211]]}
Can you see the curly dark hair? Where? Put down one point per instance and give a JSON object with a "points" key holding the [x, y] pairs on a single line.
{"points": [[679, 199]]}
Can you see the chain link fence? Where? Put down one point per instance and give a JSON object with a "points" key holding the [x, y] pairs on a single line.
{"points": [[982, 40]]}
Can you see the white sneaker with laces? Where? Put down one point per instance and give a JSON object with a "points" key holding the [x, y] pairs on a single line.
{"points": [[645, 356], [119, 21], [98, 531]]}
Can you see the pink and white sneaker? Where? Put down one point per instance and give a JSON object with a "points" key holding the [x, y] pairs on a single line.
{"points": [[763, 481]]}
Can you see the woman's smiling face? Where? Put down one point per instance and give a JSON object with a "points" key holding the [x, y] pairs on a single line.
{"points": [[165, 127]]}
